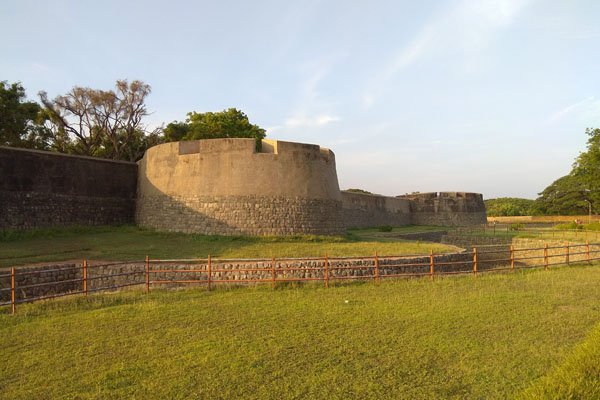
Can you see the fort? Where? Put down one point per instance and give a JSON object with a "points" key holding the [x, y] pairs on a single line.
{"points": [[216, 186]]}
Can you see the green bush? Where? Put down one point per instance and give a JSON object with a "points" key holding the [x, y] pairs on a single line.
{"points": [[516, 226], [570, 226]]}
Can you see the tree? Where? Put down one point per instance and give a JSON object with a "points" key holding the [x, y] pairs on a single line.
{"points": [[508, 207], [102, 123], [231, 123], [565, 196], [21, 122], [574, 193]]}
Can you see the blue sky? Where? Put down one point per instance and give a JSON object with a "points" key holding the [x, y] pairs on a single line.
{"points": [[489, 96]]}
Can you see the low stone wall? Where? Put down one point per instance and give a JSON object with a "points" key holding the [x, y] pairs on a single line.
{"points": [[366, 210], [240, 215], [44, 189], [60, 278]]}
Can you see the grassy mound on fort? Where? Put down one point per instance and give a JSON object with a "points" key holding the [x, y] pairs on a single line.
{"points": [[529, 334], [132, 243]]}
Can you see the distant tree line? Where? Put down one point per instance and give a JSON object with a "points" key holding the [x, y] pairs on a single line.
{"points": [[572, 194], [105, 123]]}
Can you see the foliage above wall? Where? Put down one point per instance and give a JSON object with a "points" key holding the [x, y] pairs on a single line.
{"points": [[21, 121], [361, 191], [101, 123], [230, 123], [106, 123]]}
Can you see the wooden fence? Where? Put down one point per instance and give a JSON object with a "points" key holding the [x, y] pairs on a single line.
{"points": [[86, 278]]}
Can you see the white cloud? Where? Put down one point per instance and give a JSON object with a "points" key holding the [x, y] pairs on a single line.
{"points": [[587, 110], [305, 121], [467, 28]]}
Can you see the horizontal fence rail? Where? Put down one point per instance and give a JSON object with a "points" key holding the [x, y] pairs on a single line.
{"points": [[26, 285]]}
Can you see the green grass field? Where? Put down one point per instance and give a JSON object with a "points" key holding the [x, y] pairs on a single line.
{"points": [[531, 334], [132, 243]]}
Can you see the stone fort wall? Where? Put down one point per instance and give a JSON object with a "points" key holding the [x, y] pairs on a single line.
{"points": [[218, 186], [226, 186], [44, 189], [447, 208], [366, 210]]}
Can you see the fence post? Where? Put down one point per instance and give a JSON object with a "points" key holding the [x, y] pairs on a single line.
{"points": [[587, 251], [208, 272], [273, 272], [567, 253], [13, 303], [326, 271], [546, 256], [475, 260], [512, 257], [376, 268], [85, 287], [431, 265], [147, 267]]}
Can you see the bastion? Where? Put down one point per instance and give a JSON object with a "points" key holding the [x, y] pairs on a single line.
{"points": [[226, 186]]}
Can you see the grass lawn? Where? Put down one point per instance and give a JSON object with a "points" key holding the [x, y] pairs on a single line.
{"points": [[528, 334], [132, 243]]}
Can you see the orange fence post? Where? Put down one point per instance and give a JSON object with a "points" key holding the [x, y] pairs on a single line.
{"points": [[567, 253], [208, 273], [512, 258], [85, 288], [273, 272], [587, 251], [327, 265], [13, 303], [431, 265], [546, 256], [376, 268], [147, 265], [475, 260]]}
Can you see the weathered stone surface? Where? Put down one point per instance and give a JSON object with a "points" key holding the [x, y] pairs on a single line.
{"points": [[44, 189]]}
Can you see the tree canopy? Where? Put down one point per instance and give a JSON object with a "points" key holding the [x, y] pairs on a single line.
{"points": [[572, 194], [21, 121], [509, 207], [102, 123], [230, 123]]}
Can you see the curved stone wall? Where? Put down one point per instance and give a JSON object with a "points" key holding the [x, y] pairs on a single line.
{"points": [[224, 186]]}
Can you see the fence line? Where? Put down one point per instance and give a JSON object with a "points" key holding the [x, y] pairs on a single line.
{"points": [[210, 271]]}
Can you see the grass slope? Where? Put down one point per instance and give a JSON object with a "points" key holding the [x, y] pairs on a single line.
{"points": [[577, 378], [132, 243], [457, 337]]}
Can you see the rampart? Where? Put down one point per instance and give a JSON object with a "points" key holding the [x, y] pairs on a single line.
{"points": [[217, 186], [44, 189], [225, 186], [366, 210], [446, 208]]}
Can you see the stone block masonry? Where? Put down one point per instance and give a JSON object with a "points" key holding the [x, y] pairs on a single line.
{"points": [[226, 187], [44, 189], [216, 187]]}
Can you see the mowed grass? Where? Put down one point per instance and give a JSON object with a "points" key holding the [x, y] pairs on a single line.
{"points": [[132, 243], [492, 336]]}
